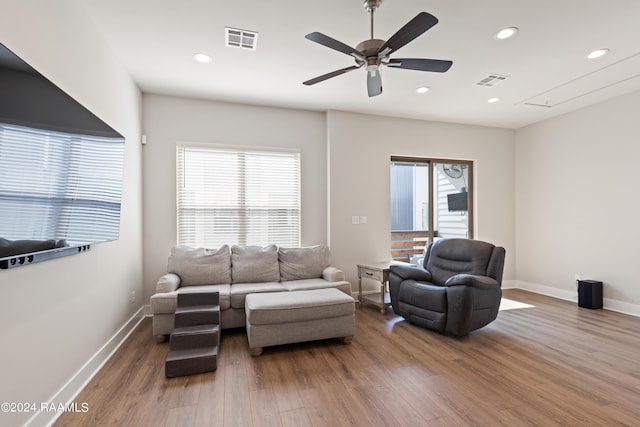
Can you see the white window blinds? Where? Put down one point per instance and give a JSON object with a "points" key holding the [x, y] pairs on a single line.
{"points": [[237, 196], [55, 185]]}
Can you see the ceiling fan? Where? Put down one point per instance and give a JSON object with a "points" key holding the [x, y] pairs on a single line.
{"points": [[375, 52]]}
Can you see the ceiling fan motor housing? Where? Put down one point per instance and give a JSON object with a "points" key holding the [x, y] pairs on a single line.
{"points": [[370, 50]]}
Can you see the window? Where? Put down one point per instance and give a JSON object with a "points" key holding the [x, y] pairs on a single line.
{"points": [[237, 196], [430, 199]]}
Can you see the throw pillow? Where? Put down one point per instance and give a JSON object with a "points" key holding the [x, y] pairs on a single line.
{"points": [[199, 266], [254, 264], [303, 263]]}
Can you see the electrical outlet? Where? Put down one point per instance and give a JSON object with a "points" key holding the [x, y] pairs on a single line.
{"points": [[133, 297]]}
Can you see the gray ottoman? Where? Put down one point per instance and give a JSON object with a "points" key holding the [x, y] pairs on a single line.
{"points": [[275, 318]]}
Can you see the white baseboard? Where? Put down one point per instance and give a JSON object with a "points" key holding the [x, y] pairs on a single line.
{"points": [[80, 379], [607, 303]]}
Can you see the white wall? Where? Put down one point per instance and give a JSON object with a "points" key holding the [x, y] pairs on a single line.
{"points": [[169, 120], [55, 315], [360, 147], [577, 202]]}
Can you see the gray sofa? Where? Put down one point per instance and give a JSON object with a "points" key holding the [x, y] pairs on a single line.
{"points": [[236, 272]]}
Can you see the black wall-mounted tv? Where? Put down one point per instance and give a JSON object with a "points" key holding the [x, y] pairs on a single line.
{"points": [[458, 202], [61, 170]]}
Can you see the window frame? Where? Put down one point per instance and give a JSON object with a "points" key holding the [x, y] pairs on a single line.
{"points": [[431, 162]]}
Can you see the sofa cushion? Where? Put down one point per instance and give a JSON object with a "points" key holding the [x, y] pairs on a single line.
{"points": [[239, 291], [303, 263], [199, 266], [253, 264], [166, 302]]}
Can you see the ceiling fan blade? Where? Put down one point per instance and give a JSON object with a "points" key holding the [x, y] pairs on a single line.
{"points": [[412, 29], [433, 65], [329, 75], [374, 83], [335, 45]]}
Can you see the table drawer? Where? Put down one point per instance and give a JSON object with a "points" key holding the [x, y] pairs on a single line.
{"points": [[368, 273]]}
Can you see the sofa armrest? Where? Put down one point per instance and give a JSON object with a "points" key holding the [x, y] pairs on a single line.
{"points": [[480, 282], [168, 283], [333, 274], [411, 272]]}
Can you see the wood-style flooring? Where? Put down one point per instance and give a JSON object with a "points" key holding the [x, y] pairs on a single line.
{"points": [[552, 364]]}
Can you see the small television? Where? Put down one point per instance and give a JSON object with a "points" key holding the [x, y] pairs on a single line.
{"points": [[61, 170], [458, 202]]}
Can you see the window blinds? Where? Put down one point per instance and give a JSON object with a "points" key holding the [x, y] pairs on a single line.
{"points": [[237, 196], [56, 185]]}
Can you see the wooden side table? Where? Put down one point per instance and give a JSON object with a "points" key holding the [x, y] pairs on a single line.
{"points": [[378, 271]]}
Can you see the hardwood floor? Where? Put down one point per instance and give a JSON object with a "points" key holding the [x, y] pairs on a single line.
{"points": [[553, 364]]}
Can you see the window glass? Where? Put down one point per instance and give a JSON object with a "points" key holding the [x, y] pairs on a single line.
{"points": [[430, 199]]}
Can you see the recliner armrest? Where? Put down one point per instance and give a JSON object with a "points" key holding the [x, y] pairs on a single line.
{"points": [[411, 272], [480, 282], [333, 274], [168, 283]]}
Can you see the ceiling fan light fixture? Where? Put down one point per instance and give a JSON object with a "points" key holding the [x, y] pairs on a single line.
{"points": [[597, 53], [493, 100], [202, 58], [506, 33], [422, 89]]}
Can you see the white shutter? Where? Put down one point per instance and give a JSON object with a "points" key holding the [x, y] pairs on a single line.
{"points": [[237, 196]]}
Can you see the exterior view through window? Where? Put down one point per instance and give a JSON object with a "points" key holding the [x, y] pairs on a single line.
{"points": [[430, 199]]}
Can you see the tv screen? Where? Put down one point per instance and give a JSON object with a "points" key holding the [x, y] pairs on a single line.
{"points": [[60, 170], [458, 202]]}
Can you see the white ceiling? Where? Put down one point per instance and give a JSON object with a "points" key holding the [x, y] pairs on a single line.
{"points": [[546, 61]]}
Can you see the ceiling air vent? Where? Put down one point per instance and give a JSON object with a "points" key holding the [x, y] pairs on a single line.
{"points": [[242, 39], [492, 80]]}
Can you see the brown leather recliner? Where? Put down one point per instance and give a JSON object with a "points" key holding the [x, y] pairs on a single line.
{"points": [[456, 291]]}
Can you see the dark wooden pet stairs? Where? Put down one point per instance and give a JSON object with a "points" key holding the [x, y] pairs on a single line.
{"points": [[194, 342]]}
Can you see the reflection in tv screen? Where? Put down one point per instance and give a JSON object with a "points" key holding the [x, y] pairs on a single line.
{"points": [[61, 169]]}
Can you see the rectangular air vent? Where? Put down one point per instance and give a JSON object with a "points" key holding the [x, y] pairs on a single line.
{"points": [[492, 80], [242, 39]]}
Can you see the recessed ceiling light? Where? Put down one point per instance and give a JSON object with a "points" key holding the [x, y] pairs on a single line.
{"points": [[597, 53], [506, 33], [202, 57], [493, 100], [422, 89]]}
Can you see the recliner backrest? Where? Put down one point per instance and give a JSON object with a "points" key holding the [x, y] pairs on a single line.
{"points": [[447, 257]]}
